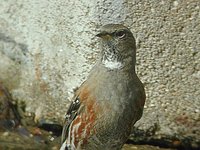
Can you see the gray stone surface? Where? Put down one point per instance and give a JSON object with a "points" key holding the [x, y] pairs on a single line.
{"points": [[48, 47]]}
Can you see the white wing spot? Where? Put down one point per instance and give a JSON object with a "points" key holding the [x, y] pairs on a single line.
{"points": [[64, 145]]}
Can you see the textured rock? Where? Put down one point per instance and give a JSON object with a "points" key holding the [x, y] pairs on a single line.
{"points": [[48, 47]]}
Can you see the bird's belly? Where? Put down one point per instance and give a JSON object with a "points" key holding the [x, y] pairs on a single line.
{"points": [[111, 133]]}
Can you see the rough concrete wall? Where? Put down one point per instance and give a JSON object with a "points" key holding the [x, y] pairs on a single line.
{"points": [[48, 47]]}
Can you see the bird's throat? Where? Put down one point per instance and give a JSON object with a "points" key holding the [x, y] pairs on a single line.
{"points": [[111, 58], [112, 64]]}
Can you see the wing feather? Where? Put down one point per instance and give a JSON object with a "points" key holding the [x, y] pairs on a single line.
{"points": [[70, 116]]}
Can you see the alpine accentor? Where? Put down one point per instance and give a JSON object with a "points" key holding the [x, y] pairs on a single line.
{"points": [[107, 105]]}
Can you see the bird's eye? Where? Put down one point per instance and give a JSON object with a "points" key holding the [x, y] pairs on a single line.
{"points": [[120, 34]]}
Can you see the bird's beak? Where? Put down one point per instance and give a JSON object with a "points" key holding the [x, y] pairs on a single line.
{"points": [[104, 36]]}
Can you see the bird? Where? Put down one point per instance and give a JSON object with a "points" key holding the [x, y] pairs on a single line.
{"points": [[111, 99]]}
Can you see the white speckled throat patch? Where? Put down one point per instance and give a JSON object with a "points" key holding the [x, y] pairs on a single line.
{"points": [[110, 64]]}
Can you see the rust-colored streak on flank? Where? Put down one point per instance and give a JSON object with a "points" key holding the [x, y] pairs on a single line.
{"points": [[87, 118], [76, 134]]}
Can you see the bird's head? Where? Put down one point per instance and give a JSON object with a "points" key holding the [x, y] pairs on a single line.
{"points": [[118, 45]]}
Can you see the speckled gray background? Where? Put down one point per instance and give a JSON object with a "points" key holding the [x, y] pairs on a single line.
{"points": [[48, 47]]}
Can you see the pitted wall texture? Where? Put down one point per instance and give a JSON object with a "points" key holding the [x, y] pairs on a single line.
{"points": [[48, 47]]}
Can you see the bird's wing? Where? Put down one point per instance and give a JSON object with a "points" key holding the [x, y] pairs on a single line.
{"points": [[140, 102], [70, 116], [80, 117]]}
